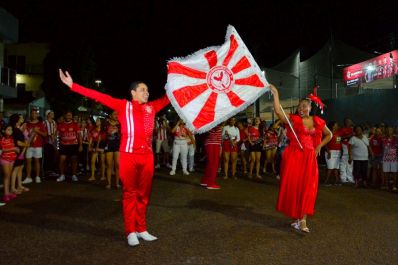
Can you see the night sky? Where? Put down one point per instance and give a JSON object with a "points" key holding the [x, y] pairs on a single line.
{"points": [[132, 40]]}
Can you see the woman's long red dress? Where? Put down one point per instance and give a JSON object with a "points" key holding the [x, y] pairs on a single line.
{"points": [[299, 170]]}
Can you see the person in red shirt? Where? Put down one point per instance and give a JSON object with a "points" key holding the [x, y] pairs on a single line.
{"points": [[271, 145], [96, 145], [137, 118], [333, 153], [7, 158], [256, 145], [37, 133], [70, 144]]}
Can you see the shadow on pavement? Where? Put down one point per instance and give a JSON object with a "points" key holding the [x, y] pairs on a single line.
{"points": [[241, 213]]}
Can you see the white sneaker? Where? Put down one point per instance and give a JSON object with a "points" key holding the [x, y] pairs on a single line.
{"points": [[146, 236], [38, 179], [2, 204], [168, 165], [157, 166], [191, 170], [132, 239], [172, 173], [74, 178], [185, 172], [27, 180], [61, 178]]}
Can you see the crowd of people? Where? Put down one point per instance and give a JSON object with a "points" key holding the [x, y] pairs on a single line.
{"points": [[73, 145], [363, 155], [66, 147]]}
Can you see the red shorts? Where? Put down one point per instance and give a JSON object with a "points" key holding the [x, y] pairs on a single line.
{"points": [[4, 162], [226, 147]]}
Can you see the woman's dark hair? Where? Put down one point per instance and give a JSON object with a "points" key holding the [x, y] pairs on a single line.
{"points": [[14, 120], [3, 130], [331, 124]]}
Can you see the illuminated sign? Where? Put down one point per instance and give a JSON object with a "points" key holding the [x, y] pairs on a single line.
{"points": [[383, 66]]}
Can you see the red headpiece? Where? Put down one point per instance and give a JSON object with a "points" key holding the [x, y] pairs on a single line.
{"points": [[317, 100]]}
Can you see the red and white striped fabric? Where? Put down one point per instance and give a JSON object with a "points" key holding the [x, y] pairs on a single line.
{"points": [[215, 83]]}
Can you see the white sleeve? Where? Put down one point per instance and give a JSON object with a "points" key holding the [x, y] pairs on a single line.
{"points": [[224, 130]]}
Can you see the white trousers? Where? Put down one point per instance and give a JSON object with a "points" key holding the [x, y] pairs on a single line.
{"points": [[191, 156], [180, 149], [346, 170]]}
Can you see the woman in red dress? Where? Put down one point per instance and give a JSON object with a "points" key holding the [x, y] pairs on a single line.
{"points": [[299, 168]]}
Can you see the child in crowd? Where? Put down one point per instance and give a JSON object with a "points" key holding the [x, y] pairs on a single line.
{"points": [[7, 158]]}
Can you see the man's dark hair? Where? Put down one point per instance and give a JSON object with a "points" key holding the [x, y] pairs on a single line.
{"points": [[134, 85]]}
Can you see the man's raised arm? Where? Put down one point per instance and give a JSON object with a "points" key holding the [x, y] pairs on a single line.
{"points": [[102, 98]]}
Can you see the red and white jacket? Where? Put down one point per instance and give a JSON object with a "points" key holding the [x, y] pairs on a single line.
{"points": [[136, 120]]}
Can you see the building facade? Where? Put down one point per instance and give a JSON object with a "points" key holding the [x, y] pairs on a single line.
{"points": [[8, 34]]}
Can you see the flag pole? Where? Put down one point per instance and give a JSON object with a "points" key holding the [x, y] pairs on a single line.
{"points": [[291, 127]]}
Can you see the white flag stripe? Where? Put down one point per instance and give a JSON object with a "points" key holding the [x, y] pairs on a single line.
{"points": [[222, 53], [243, 74], [235, 58], [246, 92], [195, 61], [182, 81], [223, 106]]}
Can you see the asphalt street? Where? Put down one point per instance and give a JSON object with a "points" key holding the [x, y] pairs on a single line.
{"points": [[81, 223]]}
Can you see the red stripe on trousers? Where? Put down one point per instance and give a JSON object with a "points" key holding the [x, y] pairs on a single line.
{"points": [[136, 173]]}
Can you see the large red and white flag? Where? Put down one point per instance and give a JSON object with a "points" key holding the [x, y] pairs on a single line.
{"points": [[213, 84]]}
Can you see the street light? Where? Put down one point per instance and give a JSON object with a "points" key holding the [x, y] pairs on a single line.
{"points": [[98, 82]]}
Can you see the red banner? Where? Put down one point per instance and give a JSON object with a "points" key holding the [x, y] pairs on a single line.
{"points": [[383, 66]]}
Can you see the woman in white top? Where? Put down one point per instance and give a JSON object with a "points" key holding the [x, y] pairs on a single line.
{"points": [[231, 137], [358, 151]]}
